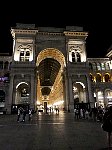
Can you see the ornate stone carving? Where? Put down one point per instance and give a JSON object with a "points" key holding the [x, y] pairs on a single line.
{"points": [[76, 48]]}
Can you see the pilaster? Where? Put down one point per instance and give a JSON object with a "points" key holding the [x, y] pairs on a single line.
{"points": [[9, 104], [70, 89]]}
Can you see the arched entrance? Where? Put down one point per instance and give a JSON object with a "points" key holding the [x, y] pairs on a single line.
{"points": [[2, 96], [79, 92], [108, 97], [50, 91], [2, 102], [22, 97], [22, 93], [79, 95]]}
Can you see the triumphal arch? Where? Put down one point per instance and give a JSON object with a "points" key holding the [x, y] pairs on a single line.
{"points": [[49, 67]]}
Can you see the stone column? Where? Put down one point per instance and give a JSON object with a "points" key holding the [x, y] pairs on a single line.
{"points": [[32, 101], [97, 98], [90, 94], [70, 89], [10, 99], [105, 99], [35, 92], [65, 90]]}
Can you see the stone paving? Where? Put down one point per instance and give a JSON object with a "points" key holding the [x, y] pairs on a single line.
{"points": [[51, 132]]}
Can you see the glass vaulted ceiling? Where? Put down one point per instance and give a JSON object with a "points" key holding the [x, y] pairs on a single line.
{"points": [[48, 70]]}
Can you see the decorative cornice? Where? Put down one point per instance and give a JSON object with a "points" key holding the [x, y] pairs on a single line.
{"points": [[33, 31], [50, 33], [68, 33], [21, 31]]}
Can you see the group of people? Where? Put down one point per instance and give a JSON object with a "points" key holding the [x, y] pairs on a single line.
{"points": [[102, 115], [21, 115], [81, 113], [96, 113]]}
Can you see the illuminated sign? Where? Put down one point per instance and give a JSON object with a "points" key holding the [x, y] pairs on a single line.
{"points": [[3, 78]]}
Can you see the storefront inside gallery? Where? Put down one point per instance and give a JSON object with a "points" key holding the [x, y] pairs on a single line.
{"points": [[49, 69]]}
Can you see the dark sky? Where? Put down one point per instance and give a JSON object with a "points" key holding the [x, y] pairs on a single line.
{"points": [[94, 18]]}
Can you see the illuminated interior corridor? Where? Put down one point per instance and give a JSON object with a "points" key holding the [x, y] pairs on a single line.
{"points": [[50, 92]]}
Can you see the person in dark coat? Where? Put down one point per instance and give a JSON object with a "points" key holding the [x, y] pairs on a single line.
{"points": [[30, 114], [24, 115], [18, 114], [107, 124]]}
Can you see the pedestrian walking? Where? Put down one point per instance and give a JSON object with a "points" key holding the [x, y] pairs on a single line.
{"points": [[24, 115], [86, 114], [77, 114], [30, 114], [18, 114]]}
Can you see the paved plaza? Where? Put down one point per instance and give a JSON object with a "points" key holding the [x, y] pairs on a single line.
{"points": [[51, 132]]}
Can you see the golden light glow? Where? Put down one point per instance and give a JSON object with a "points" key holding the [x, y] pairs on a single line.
{"points": [[57, 89], [58, 103], [51, 53]]}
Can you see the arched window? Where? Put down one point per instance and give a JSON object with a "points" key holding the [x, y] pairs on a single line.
{"points": [[10, 65], [98, 66], [91, 77], [2, 96], [98, 77], [94, 66], [78, 57], [102, 66], [107, 66], [90, 65], [107, 77], [73, 57], [24, 55], [6, 64], [6, 78], [1, 64], [27, 56]]}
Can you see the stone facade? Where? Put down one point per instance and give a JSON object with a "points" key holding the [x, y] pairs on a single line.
{"points": [[70, 79]]}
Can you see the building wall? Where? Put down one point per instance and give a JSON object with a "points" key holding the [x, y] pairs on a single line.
{"points": [[86, 80]]}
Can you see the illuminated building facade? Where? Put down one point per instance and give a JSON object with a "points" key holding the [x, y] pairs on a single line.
{"points": [[49, 68]]}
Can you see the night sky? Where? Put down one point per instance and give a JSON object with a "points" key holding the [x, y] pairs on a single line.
{"points": [[94, 18]]}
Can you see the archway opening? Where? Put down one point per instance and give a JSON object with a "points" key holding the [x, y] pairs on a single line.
{"points": [[50, 91], [22, 97], [22, 93], [79, 92], [2, 102], [79, 95]]}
